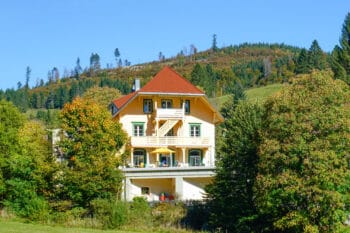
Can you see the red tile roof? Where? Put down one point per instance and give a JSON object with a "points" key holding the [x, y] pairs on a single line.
{"points": [[168, 81], [124, 99]]}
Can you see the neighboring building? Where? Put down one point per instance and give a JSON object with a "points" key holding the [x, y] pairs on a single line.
{"points": [[171, 125]]}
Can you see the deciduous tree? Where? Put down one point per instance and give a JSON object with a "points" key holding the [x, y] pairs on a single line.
{"points": [[304, 178], [102, 95], [92, 139]]}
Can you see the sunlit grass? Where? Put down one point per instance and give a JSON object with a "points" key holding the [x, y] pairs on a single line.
{"points": [[252, 94]]}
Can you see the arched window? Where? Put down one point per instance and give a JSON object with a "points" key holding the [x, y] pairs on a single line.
{"points": [[139, 158], [195, 157]]}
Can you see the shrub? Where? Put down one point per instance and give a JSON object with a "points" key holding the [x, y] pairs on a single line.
{"points": [[110, 213], [168, 214], [140, 213]]}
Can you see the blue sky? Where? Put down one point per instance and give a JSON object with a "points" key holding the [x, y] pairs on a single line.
{"points": [[44, 34]]}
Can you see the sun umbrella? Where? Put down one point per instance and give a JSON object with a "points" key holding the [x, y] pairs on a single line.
{"points": [[162, 150]]}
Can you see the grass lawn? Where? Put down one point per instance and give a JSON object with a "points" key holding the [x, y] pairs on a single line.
{"points": [[18, 227], [253, 94], [261, 93]]}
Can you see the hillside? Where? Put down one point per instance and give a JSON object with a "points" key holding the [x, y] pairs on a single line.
{"points": [[215, 72], [252, 94]]}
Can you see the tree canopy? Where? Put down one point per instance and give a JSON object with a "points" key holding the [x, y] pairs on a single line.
{"points": [[27, 166], [341, 53], [102, 95], [303, 175], [90, 146], [231, 197]]}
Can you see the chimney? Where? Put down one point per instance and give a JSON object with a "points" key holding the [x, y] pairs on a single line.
{"points": [[136, 85]]}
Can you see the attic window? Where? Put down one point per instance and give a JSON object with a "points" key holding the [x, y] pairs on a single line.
{"points": [[114, 109]]}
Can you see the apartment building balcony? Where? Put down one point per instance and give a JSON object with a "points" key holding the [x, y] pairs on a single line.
{"points": [[176, 141], [162, 172]]}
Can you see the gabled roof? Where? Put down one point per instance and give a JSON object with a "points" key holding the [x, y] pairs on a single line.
{"points": [[168, 81]]}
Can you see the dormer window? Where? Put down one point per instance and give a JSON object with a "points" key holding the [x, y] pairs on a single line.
{"points": [[114, 109], [147, 106]]}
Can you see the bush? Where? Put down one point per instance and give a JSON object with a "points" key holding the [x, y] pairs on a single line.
{"points": [[110, 213], [168, 214], [140, 213]]}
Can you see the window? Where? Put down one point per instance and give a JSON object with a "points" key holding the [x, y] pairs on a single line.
{"points": [[137, 128], [195, 158], [139, 158], [114, 109], [166, 160], [195, 130], [147, 106], [167, 103], [145, 190], [187, 106]]}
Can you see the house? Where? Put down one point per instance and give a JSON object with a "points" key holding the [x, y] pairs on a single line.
{"points": [[171, 126]]}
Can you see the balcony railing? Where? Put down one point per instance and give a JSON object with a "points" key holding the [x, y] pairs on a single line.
{"points": [[153, 141], [170, 113]]}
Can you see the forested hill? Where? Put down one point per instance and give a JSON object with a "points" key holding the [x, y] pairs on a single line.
{"points": [[216, 71]]}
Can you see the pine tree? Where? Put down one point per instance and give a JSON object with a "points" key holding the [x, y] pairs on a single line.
{"points": [[214, 45], [77, 69], [231, 197], [341, 54], [316, 56]]}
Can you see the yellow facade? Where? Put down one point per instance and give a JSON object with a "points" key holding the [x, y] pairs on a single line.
{"points": [[172, 142]]}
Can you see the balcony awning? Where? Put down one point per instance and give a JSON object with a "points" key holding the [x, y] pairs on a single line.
{"points": [[162, 150]]}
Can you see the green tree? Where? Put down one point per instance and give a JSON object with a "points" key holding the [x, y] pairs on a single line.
{"points": [[214, 45], [302, 64], [116, 54], [37, 147], [11, 121], [341, 54], [231, 197], [316, 57], [198, 74], [28, 72], [101, 95], [77, 69], [304, 178], [89, 148], [95, 64], [27, 165]]}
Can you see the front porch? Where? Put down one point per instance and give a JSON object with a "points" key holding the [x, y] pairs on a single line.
{"points": [[157, 184]]}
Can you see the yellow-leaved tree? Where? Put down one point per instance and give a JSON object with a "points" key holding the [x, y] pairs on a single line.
{"points": [[91, 141]]}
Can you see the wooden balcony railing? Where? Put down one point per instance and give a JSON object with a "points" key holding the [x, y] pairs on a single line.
{"points": [[153, 141], [170, 113]]}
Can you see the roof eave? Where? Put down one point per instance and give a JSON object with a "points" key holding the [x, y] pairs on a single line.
{"points": [[171, 93], [124, 105]]}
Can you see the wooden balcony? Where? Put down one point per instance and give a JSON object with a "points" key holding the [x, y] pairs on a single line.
{"points": [[153, 141]]}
